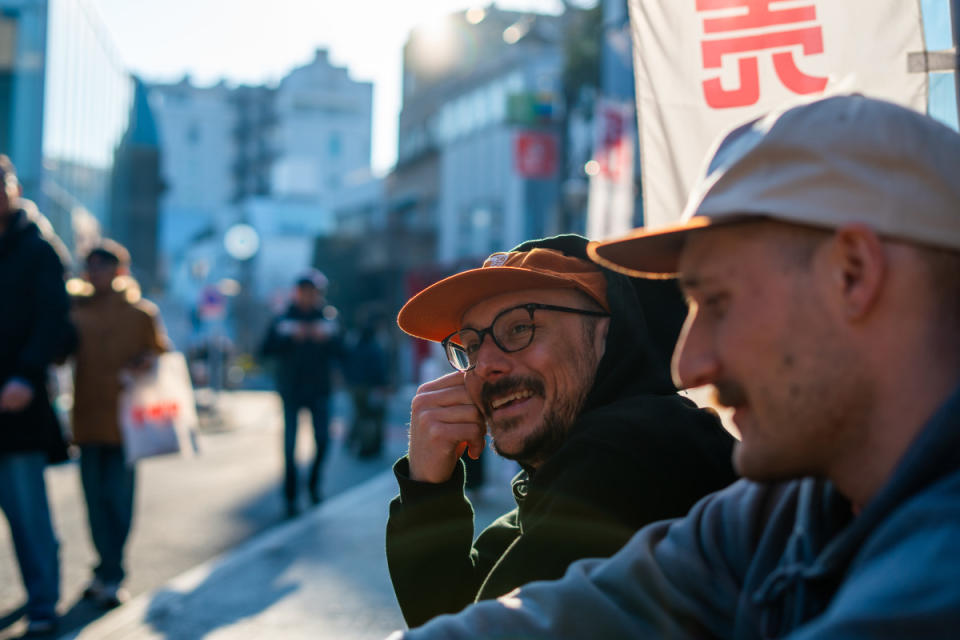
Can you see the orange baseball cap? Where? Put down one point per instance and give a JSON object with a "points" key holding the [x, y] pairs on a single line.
{"points": [[436, 312]]}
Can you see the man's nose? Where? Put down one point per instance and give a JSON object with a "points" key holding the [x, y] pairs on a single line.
{"points": [[694, 358], [491, 360]]}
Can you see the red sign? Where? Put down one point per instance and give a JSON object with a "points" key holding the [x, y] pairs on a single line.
{"points": [[613, 144], [158, 413], [766, 33], [535, 154]]}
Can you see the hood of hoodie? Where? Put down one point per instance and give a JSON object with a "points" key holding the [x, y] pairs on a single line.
{"points": [[645, 321], [27, 221]]}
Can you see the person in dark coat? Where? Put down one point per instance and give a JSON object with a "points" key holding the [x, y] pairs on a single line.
{"points": [[305, 344], [567, 366], [35, 332], [365, 372]]}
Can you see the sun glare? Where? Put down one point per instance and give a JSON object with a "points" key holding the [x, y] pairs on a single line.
{"points": [[476, 15]]}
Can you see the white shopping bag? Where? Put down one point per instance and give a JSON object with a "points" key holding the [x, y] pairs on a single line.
{"points": [[158, 414]]}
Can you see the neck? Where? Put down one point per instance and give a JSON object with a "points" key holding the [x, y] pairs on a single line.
{"points": [[900, 413]]}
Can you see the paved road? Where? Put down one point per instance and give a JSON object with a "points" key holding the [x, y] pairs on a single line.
{"points": [[190, 510]]}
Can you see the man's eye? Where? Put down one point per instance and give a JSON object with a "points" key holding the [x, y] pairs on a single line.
{"points": [[715, 304], [471, 347], [520, 329]]}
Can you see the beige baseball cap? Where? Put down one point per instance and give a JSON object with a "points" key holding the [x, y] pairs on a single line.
{"points": [[836, 161]]}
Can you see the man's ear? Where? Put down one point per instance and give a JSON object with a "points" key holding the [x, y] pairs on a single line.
{"points": [[858, 268]]}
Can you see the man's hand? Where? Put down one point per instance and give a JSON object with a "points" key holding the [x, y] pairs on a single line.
{"points": [[301, 332], [320, 331], [443, 422], [142, 363], [15, 395]]}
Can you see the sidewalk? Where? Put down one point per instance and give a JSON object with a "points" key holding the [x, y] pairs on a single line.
{"points": [[323, 575]]}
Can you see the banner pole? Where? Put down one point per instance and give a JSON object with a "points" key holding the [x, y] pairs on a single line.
{"points": [[955, 26]]}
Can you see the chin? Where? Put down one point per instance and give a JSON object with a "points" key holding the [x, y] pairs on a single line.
{"points": [[507, 441]]}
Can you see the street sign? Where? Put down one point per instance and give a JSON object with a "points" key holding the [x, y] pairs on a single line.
{"points": [[212, 304], [535, 154]]}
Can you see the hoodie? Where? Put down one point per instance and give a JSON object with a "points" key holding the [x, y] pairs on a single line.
{"points": [[34, 328], [638, 452]]}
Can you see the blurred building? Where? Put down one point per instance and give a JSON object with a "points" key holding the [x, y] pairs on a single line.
{"points": [[71, 121], [478, 142], [197, 128], [135, 190], [282, 160]]}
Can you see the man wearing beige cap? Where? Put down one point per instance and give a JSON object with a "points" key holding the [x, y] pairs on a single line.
{"points": [[566, 365], [820, 254]]}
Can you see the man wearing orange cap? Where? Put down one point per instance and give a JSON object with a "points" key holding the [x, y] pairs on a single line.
{"points": [[566, 366], [821, 255]]}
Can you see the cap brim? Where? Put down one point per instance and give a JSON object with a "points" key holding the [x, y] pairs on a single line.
{"points": [[435, 312], [646, 253]]}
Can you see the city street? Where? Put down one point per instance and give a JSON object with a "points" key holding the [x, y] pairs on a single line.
{"points": [[191, 510]]}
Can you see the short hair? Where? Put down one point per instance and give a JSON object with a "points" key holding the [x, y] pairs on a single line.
{"points": [[110, 251], [312, 278], [943, 272]]}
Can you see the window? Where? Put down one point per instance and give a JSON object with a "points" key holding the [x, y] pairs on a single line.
{"points": [[334, 145]]}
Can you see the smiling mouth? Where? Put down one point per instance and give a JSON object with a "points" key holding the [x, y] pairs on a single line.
{"points": [[511, 398]]}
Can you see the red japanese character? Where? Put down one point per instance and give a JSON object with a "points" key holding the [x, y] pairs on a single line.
{"points": [[809, 38], [758, 15]]}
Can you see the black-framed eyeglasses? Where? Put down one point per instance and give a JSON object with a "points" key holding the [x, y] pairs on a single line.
{"points": [[512, 330]]}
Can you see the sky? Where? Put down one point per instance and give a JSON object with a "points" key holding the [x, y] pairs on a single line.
{"points": [[259, 41]]}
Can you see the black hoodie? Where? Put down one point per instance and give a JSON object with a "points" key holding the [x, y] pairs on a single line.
{"points": [[35, 329], [637, 453]]}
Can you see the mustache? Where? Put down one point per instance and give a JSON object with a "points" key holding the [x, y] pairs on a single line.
{"points": [[504, 386], [729, 393]]}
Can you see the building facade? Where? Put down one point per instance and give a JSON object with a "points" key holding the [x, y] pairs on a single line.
{"points": [[478, 142], [282, 159], [69, 119]]}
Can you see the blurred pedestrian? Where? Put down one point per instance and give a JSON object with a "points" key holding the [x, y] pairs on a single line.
{"points": [[304, 342], [365, 371], [35, 332], [119, 336]]}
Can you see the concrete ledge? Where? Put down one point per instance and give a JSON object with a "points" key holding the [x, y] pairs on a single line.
{"points": [[322, 575]]}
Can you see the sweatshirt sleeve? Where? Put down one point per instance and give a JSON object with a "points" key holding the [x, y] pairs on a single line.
{"points": [[675, 579], [50, 330], [153, 335], [274, 344], [434, 564]]}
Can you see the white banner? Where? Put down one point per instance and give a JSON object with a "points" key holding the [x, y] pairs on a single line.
{"points": [[703, 66], [610, 200]]}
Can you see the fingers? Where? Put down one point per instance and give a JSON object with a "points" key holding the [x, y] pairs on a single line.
{"points": [[476, 447], [452, 379], [443, 420]]}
